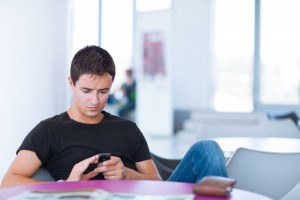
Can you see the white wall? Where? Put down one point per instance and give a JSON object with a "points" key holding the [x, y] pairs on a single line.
{"points": [[186, 27], [154, 110], [191, 75], [33, 65]]}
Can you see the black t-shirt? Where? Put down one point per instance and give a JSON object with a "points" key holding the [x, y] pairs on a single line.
{"points": [[61, 142]]}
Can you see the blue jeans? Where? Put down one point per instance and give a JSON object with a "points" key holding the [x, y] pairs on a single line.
{"points": [[204, 158]]}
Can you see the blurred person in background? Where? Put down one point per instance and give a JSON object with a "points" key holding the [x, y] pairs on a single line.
{"points": [[129, 94]]}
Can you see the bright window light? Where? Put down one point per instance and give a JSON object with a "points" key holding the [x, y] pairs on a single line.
{"points": [[152, 5]]}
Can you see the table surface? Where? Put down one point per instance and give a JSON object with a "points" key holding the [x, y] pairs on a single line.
{"points": [[175, 148], [270, 144], [136, 187]]}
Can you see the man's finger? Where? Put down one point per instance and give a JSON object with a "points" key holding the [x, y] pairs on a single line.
{"points": [[80, 168], [89, 175], [85, 163]]}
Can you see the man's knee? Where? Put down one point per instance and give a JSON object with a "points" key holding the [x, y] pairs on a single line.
{"points": [[206, 144]]}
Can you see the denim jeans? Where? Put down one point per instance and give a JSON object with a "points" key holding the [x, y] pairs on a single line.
{"points": [[204, 158]]}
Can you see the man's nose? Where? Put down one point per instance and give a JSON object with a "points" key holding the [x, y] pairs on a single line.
{"points": [[95, 99]]}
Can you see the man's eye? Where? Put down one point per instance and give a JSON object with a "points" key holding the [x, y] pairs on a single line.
{"points": [[85, 91], [104, 91]]}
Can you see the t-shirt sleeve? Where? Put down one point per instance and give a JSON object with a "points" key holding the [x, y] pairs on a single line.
{"points": [[142, 151], [37, 141]]}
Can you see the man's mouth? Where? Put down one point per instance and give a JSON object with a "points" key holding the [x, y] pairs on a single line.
{"points": [[93, 108]]}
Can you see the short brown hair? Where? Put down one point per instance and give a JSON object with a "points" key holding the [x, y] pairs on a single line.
{"points": [[92, 60]]}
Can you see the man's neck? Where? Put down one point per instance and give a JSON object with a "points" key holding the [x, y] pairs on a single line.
{"points": [[76, 116]]}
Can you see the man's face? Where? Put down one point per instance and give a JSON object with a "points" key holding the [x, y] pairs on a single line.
{"points": [[90, 95]]}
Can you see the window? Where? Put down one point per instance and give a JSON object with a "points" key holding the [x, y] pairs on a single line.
{"points": [[233, 55], [114, 34], [280, 52], [85, 26], [84, 29], [249, 77], [117, 33], [152, 5]]}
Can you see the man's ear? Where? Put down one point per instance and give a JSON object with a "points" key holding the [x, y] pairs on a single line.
{"points": [[70, 81]]}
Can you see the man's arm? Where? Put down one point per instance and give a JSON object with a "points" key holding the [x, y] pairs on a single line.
{"points": [[20, 171], [114, 169], [22, 168], [146, 170]]}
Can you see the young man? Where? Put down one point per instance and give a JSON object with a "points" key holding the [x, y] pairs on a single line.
{"points": [[68, 144]]}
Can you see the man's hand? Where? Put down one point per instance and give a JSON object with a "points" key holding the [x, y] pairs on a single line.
{"points": [[112, 169], [78, 169]]}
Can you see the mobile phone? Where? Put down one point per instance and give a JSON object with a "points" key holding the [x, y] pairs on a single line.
{"points": [[103, 157]]}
